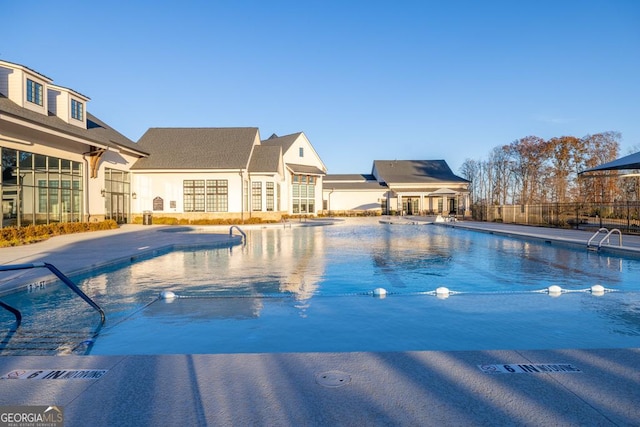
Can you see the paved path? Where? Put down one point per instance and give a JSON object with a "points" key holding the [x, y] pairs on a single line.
{"points": [[630, 243], [428, 388]]}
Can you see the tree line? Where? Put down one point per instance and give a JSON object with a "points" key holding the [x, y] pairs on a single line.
{"points": [[532, 170]]}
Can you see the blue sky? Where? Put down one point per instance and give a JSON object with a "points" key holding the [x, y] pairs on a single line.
{"points": [[365, 80]]}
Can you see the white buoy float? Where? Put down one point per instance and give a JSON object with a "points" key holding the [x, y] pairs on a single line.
{"points": [[442, 292], [167, 295], [554, 290], [380, 292], [597, 290]]}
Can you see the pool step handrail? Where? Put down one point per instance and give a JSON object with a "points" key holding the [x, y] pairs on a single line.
{"points": [[606, 237], [62, 277], [244, 235], [13, 311], [594, 236], [615, 230]]}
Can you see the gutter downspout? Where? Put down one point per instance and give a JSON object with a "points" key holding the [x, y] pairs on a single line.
{"points": [[241, 196], [86, 186]]}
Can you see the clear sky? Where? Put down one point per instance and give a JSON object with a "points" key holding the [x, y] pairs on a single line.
{"points": [[364, 80]]}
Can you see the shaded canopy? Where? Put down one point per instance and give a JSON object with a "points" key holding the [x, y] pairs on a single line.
{"points": [[632, 161]]}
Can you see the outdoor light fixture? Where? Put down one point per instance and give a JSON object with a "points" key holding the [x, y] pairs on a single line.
{"points": [[103, 192], [134, 195]]}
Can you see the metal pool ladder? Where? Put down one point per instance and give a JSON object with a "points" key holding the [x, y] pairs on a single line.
{"points": [[244, 235], [606, 237], [60, 276]]}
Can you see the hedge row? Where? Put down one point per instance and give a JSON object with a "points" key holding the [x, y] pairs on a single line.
{"points": [[15, 236], [168, 220]]}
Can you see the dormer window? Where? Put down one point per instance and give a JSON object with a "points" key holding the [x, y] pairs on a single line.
{"points": [[34, 92], [301, 151], [77, 110]]}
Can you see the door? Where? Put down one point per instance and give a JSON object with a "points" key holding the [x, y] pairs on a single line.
{"points": [[118, 208]]}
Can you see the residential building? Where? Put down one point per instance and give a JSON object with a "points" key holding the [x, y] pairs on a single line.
{"points": [[200, 173], [410, 187], [59, 162]]}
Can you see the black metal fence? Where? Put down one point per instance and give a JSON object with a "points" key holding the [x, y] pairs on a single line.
{"points": [[624, 216]]}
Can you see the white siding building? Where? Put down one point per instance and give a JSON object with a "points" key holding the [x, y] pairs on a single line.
{"points": [[203, 173], [59, 163], [412, 187]]}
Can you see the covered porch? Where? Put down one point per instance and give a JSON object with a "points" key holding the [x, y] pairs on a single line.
{"points": [[443, 201]]}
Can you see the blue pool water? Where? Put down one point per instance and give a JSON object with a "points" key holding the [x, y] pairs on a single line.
{"points": [[310, 289]]}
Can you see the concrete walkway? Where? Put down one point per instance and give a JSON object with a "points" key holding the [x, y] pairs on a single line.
{"points": [[628, 244], [554, 387]]}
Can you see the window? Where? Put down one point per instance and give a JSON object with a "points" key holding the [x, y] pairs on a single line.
{"points": [[193, 195], [301, 151], [303, 192], [270, 196], [34, 92], [217, 192], [38, 189], [256, 196], [77, 110]]}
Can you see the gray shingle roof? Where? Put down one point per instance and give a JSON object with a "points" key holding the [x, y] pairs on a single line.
{"points": [[415, 171], [197, 148], [368, 185], [283, 141], [97, 131], [266, 159], [341, 177], [305, 169]]}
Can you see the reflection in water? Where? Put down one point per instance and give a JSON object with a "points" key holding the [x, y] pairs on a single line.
{"points": [[308, 286]]}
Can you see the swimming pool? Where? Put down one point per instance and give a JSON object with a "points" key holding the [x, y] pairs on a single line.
{"points": [[310, 289]]}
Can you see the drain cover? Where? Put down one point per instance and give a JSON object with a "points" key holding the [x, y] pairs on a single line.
{"points": [[333, 379]]}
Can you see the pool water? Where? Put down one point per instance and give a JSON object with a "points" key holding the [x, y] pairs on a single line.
{"points": [[310, 289]]}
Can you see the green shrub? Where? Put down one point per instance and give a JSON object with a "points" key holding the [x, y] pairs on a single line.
{"points": [[16, 236]]}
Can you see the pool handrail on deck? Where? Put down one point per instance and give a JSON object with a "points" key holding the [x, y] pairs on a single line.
{"points": [[62, 277]]}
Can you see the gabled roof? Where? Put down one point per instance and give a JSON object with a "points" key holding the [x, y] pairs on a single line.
{"points": [[632, 161], [348, 177], [352, 182], [266, 159], [304, 169], [283, 141], [97, 131], [414, 172], [197, 148]]}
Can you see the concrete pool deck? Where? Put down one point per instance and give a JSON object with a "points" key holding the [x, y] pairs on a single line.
{"points": [[402, 388]]}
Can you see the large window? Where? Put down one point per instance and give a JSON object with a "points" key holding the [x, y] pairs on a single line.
{"points": [[256, 196], [217, 195], [34, 92], [211, 195], [193, 195], [39, 189], [270, 196], [303, 194], [77, 110]]}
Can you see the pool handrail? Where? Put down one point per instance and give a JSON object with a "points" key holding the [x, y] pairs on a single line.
{"points": [[244, 235], [615, 230], [13, 311], [62, 277], [594, 236]]}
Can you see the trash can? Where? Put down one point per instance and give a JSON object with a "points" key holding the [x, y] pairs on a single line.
{"points": [[146, 218]]}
